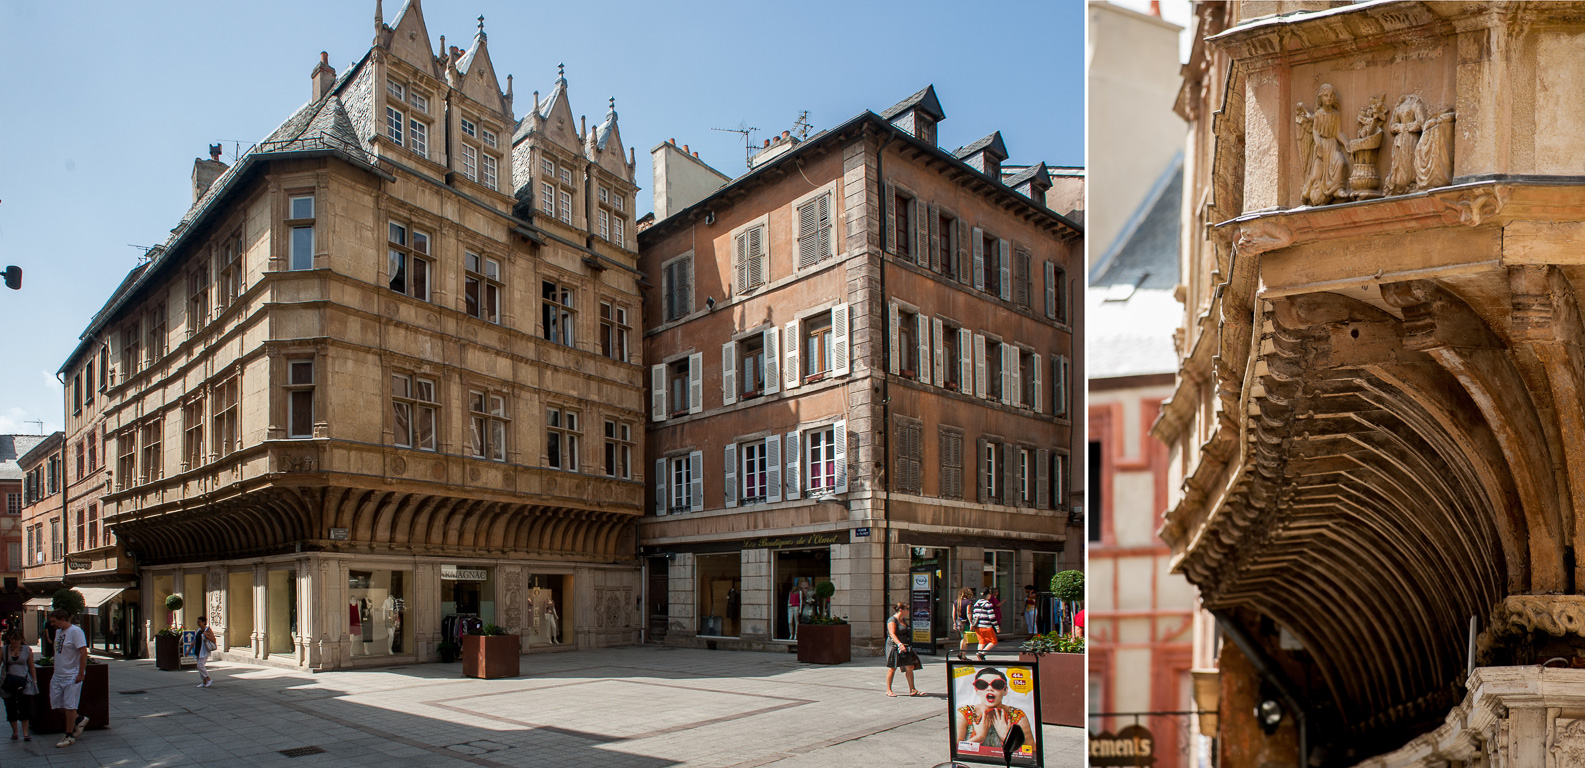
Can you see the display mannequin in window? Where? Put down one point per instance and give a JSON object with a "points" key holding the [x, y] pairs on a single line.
{"points": [[552, 620], [806, 602], [794, 606]]}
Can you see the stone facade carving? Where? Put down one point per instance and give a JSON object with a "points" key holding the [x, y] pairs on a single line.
{"points": [[1473, 207], [1433, 155], [1408, 120], [1568, 742], [1364, 180], [1325, 156], [297, 463], [1262, 236], [513, 611]]}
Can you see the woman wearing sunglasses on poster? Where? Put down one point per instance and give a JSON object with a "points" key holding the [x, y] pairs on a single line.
{"points": [[988, 720]]}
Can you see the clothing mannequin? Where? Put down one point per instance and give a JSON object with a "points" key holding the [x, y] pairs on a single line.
{"points": [[553, 620], [794, 604], [808, 601], [355, 617]]}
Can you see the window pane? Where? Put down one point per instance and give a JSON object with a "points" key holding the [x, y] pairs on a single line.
{"points": [[303, 247], [302, 372], [470, 296], [498, 440], [398, 234], [421, 279], [302, 207], [302, 407], [402, 416], [398, 271], [426, 428]]}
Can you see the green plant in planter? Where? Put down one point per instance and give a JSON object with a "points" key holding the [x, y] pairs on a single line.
{"points": [[494, 630], [174, 603], [824, 591], [1053, 642], [1068, 585], [69, 600], [448, 651], [827, 620]]}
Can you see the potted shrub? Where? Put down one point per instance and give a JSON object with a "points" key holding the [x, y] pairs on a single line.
{"points": [[826, 639], [95, 699], [492, 654], [1060, 663], [448, 651], [168, 641]]}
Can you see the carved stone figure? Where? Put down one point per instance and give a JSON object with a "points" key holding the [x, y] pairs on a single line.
{"points": [[1433, 155], [1364, 181], [1326, 161], [1568, 745], [1408, 120]]}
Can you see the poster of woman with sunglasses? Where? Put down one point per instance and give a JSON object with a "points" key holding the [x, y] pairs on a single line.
{"points": [[988, 702]]}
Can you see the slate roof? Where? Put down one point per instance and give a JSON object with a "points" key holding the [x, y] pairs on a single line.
{"points": [[1131, 313], [602, 133], [1029, 173], [924, 99], [993, 143], [11, 448]]}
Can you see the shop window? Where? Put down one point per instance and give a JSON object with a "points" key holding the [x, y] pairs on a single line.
{"points": [[720, 600], [377, 612], [998, 575], [238, 630], [467, 592], [281, 611], [547, 611], [795, 575], [932, 564]]}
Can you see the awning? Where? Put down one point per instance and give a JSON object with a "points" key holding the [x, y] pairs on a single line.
{"points": [[93, 597], [38, 602]]}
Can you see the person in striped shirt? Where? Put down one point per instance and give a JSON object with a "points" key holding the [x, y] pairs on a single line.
{"points": [[983, 619]]}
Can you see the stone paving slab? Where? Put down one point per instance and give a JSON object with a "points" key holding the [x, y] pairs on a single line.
{"points": [[637, 707]]}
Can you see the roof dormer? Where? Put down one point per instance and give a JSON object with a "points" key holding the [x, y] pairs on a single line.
{"points": [[917, 115], [985, 155]]}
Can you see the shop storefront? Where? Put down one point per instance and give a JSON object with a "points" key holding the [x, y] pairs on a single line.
{"points": [[932, 563], [720, 599], [795, 574]]}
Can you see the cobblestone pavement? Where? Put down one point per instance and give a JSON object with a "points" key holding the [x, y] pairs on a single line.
{"points": [[641, 707]]}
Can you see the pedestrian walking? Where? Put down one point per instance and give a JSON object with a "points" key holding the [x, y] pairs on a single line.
{"points": [[898, 654], [203, 645], [960, 620], [985, 623], [1029, 609], [19, 682], [71, 667]]}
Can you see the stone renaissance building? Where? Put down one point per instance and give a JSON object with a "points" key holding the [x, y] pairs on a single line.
{"points": [[383, 377], [1377, 437], [862, 358]]}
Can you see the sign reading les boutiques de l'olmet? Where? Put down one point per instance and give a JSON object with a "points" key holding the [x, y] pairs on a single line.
{"points": [[1133, 745], [806, 540]]}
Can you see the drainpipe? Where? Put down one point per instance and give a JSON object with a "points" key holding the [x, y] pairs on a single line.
{"points": [[886, 389], [1271, 673]]}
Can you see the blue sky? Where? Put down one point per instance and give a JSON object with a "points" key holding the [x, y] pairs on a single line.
{"points": [[109, 103]]}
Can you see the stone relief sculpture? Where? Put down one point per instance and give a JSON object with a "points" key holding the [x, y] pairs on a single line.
{"points": [[1364, 181], [1326, 161], [1568, 743], [1433, 155], [1408, 120]]}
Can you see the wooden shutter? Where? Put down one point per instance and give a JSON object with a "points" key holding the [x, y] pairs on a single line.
{"points": [[685, 287], [839, 436], [740, 263], [935, 239], [1010, 490], [979, 259], [668, 284], [921, 233], [1051, 290], [963, 253], [757, 274], [894, 355], [823, 239], [657, 392], [922, 329], [1007, 374], [1003, 271], [890, 242], [979, 366], [1059, 381], [1015, 395], [808, 233], [729, 373], [839, 340], [1021, 278], [660, 487], [1035, 369], [1042, 479], [965, 361], [772, 468], [791, 457], [1062, 295], [696, 490], [771, 371], [730, 475], [982, 494], [696, 382], [790, 344], [939, 354]]}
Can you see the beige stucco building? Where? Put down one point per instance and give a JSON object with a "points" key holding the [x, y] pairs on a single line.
{"points": [[384, 379], [1377, 427]]}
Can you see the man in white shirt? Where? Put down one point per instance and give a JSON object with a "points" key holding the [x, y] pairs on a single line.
{"points": [[71, 667]]}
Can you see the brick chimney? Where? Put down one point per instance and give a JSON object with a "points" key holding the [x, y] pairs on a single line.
{"points": [[323, 76], [206, 171]]}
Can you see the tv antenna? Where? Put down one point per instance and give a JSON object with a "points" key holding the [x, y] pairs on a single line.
{"points": [[801, 126], [748, 141], [39, 422], [144, 248]]}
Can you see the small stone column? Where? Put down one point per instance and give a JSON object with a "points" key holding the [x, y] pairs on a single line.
{"points": [[261, 610], [755, 595], [681, 601]]}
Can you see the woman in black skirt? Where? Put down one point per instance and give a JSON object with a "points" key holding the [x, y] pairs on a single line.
{"points": [[17, 659], [897, 652]]}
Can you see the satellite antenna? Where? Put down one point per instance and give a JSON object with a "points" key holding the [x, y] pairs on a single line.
{"points": [[801, 125], [748, 141]]}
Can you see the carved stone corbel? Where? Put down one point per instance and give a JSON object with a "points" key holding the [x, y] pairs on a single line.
{"points": [[1472, 207], [1261, 236]]}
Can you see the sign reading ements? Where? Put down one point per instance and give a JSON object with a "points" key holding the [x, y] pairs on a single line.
{"points": [[805, 540], [453, 573], [1133, 745]]}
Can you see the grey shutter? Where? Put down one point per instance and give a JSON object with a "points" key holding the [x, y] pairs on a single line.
{"points": [[979, 259], [963, 253], [965, 361], [1003, 271], [894, 355], [1051, 290], [1007, 375], [824, 238], [696, 382], [1035, 369], [657, 392], [921, 233], [740, 259], [808, 233], [772, 468], [1010, 493], [730, 475], [668, 287], [935, 238], [979, 366], [983, 493], [890, 242], [1042, 479], [790, 346], [791, 457], [1021, 277], [771, 371], [685, 288], [840, 365], [660, 486], [696, 489], [939, 354], [839, 436], [922, 331], [729, 373], [1059, 380], [1014, 396], [757, 274]]}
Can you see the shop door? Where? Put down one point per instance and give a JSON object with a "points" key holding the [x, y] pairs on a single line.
{"points": [[659, 607]]}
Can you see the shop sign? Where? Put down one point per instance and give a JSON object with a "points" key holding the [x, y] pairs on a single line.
{"points": [[453, 573], [862, 533], [338, 534], [75, 564], [785, 542], [1133, 745], [920, 611]]}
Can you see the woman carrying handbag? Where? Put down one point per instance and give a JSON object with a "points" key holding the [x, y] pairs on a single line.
{"points": [[19, 683], [898, 654]]}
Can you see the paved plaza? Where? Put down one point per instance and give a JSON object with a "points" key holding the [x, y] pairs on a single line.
{"points": [[639, 707]]}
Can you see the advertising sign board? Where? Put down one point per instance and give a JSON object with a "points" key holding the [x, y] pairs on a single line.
{"points": [[985, 701]]}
